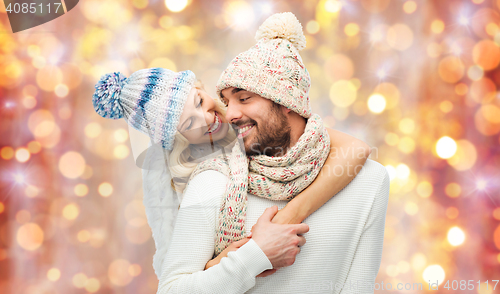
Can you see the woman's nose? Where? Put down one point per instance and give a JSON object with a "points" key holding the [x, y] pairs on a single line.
{"points": [[209, 110]]}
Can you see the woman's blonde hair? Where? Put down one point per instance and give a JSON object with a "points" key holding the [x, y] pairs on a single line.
{"points": [[181, 163]]}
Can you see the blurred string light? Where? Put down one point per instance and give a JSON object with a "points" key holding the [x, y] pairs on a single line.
{"points": [[381, 74], [481, 185], [53, 274], [30, 236], [265, 7], [446, 147], [22, 154], [105, 189], [456, 236], [463, 20], [376, 103], [391, 170], [19, 178], [434, 274], [239, 15], [437, 26], [402, 171], [409, 7], [333, 6], [351, 29], [312, 27], [176, 5]]}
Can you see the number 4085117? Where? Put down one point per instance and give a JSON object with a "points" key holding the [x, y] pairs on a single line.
{"points": [[32, 8], [463, 285]]}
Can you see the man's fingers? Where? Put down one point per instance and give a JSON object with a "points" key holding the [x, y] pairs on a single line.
{"points": [[302, 241], [301, 228], [269, 213]]}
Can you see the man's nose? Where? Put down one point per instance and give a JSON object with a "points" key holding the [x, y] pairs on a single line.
{"points": [[233, 113]]}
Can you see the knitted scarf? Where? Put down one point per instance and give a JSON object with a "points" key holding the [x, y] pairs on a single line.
{"points": [[275, 178]]}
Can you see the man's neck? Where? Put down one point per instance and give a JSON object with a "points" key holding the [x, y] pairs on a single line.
{"points": [[298, 125]]}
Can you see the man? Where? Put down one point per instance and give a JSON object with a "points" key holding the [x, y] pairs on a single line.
{"points": [[266, 93]]}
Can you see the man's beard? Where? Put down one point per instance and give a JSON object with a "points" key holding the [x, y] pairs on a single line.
{"points": [[272, 137]]}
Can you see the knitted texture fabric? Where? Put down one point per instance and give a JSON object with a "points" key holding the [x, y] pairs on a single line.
{"points": [[275, 178], [151, 100], [273, 67]]}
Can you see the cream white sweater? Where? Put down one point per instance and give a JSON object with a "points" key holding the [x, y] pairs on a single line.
{"points": [[342, 252]]}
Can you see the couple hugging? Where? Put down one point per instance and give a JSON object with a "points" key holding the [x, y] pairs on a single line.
{"points": [[255, 175]]}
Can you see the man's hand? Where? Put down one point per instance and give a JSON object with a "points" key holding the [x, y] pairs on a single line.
{"points": [[280, 242]]}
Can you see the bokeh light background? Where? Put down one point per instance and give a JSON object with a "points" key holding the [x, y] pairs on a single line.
{"points": [[418, 80]]}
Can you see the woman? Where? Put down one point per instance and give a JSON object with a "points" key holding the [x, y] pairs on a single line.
{"points": [[186, 126]]}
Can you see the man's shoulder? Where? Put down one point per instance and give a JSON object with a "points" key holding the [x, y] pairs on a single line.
{"points": [[372, 179], [376, 178], [373, 170]]}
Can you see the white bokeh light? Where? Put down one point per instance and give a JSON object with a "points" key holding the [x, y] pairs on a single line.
{"points": [[19, 178], [239, 15], [402, 171], [481, 184], [446, 147], [376, 103], [456, 236], [176, 5], [391, 171], [434, 273]]}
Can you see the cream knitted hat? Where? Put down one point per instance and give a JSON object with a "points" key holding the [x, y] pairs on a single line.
{"points": [[273, 67]]}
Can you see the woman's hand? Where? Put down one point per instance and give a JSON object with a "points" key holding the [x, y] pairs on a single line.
{"points": [[233, 247], [289, 215]]}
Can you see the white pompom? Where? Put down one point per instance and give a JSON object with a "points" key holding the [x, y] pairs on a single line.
{"points": [[284, 26]]}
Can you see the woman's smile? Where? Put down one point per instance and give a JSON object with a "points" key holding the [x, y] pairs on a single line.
{"points": [[216, 125]]}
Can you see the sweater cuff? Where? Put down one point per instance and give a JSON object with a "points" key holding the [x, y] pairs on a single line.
{"points": [[253, 258]]}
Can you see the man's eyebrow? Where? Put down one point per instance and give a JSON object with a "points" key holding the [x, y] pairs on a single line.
{"points": [[234, 91]]}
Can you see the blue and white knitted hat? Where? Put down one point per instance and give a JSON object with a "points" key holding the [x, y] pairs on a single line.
{"points": [[151, 100]]}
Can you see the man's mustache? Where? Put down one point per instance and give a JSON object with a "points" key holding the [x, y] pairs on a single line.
{"points": [[240, 123]]}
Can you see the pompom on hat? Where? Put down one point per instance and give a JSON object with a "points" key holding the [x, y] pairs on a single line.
{"points": [[151, 100], [273, 67]]}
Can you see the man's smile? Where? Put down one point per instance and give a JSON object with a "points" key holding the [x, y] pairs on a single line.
{"points": [[243, 131]]}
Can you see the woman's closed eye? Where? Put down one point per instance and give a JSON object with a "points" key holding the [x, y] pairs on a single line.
{"points": [[198, 105], [244, 99]]}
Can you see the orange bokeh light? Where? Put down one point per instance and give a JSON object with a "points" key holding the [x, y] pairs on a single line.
{"points": [[7, 152], [451, 69], [486, 54]]}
